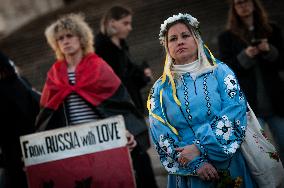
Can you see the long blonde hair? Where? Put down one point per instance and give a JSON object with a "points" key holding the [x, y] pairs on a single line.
{"points": [[75, 24]]}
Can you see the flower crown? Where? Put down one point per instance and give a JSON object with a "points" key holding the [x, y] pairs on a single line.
{"points": [[187, 17]]}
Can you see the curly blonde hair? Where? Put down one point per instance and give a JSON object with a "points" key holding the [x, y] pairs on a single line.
{"points": [[75, 24]]}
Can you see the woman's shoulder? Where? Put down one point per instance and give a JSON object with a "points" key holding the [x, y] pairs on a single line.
{"points": [[222, 68], [157, 86], [157, 83]]}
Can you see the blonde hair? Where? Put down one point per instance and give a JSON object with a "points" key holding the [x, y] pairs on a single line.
{"points": [[75, 24]]}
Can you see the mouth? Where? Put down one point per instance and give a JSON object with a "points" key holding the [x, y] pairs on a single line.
{"points": [[181, 50], [67, 48]]}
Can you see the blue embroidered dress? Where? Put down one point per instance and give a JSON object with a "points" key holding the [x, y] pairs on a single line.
{"points": [[212, 115]]}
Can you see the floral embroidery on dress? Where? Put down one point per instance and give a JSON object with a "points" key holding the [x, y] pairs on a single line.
{"points": [[228, 133], [241, 95], [232, 86], [224, 128], [167, 153], [168, 156], [152, 99], [231, 148], [152, 103], [170, 165]]}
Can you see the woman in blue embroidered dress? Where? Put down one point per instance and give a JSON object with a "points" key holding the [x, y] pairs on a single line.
{"points": [[197, 112]]}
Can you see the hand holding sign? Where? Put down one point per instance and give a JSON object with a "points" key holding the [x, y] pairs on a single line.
{"points": [[131, 142]]}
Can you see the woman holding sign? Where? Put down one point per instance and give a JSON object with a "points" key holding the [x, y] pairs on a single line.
{"points": [[80, 86]]}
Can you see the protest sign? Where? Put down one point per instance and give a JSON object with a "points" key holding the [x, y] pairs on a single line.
{"points": [[88, 155]]}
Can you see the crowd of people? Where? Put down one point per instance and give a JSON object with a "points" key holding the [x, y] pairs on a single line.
{"points": [[197, 108]]}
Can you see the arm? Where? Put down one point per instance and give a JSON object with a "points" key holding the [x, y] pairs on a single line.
{"points": [[223, 136], [275, 41], [167, 142]]}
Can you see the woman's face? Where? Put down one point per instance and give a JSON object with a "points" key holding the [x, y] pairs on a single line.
{"points": [[122, 27], [68, 43], [181, 44], [244, 8]]}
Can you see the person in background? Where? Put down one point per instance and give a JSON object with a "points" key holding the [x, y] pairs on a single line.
{"points": [[18, 111], [197, 112], [110, 44], [252, 46]]}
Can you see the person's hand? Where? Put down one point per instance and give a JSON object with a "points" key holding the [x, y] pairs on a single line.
{"points": [[148, 73], [187, 153], [252, 51], [264, 45], [131, 142], [208, 172]]}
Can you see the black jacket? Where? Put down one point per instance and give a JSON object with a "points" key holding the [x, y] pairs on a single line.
{"points": [[231, 46], [131, 75], [18, 111]]}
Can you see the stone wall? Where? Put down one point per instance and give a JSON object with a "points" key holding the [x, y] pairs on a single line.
{"points": [[15, 13], [28, 48]]}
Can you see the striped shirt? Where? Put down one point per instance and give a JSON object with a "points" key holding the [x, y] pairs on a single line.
{"points": [[79, 111]]}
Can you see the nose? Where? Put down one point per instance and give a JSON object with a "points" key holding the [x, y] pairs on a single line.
{"points": [[180, 41], [130, 27]]}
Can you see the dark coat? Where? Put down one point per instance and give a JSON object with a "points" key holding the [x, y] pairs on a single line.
{"points": [[133, 78], [18, 111], [131, 75], [230, 46]]}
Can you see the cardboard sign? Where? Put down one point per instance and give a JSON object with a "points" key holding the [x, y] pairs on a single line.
{"points": [[88, 155]]}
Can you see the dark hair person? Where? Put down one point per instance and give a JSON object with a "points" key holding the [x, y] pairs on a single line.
{"points": [[252, 46], [110, 44]]}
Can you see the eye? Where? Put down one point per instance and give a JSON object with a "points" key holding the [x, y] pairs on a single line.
{"points": [[126, 23], [172, 39], [186, 35], [69, 35], [60, 38]]}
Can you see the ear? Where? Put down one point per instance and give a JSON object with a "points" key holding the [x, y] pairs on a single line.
{"points": [[111, 29], [112, 22]]}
